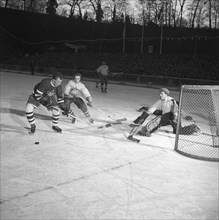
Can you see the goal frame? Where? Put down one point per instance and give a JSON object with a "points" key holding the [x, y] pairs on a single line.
{"points": [[211, 89]]}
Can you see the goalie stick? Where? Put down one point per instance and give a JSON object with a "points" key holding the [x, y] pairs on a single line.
{"points": [[131, 138], [133, 132]]}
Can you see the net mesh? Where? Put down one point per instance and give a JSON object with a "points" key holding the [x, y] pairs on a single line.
{"points": [[197, 133]]}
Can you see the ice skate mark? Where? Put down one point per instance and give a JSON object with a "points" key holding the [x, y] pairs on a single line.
{"points": [[64, 183]]}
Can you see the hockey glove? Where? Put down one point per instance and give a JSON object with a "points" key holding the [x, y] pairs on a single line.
{"points": [[64, 108], [46, 101]]}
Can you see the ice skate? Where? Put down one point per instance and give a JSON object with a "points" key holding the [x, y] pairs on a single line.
{"points": [[57, 129], [90, 120], [145, 134], [32, 129], [73, 120], [131, 138]]}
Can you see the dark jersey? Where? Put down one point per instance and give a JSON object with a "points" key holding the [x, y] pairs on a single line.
{"points": [[45, 88]]}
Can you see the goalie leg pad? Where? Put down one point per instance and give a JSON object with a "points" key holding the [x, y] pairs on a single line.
{"points": [[141, 118], [151, 126]]}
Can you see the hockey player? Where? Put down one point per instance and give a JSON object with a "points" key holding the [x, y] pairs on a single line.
{"points": [[75, 92], [103, 71], [48, 93], [167, 108]]}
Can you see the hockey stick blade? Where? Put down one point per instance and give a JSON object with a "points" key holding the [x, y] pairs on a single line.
{"points": [[131, 138], [117, 120], [109, 125], [105, 126]]}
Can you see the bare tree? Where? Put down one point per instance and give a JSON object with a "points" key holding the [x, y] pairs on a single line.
{"points": [[199, 13], [209, 13], [215, 13], [97, 7], [116, 8], [15, 4], [51, 6], [181, 3], [147, 10], [195, 12], [174, 12]]}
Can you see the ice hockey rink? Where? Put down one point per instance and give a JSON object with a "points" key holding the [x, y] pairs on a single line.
{"points": [[91, 173]]}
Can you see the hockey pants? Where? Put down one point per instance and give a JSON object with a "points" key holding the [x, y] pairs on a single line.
{"points": [[79, 102]]}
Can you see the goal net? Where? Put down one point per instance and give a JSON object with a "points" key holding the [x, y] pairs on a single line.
{"points": [[197, 132]]}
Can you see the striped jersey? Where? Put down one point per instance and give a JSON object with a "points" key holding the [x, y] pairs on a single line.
{"points": [[46, 88]]}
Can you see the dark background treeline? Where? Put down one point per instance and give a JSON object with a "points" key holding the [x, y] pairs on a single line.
{"points": [[35, 32]]}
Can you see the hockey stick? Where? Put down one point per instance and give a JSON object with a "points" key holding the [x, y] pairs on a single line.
{"points": [[73, 116], [109, 116], [115, 73], [99, 109], [109, 125]]}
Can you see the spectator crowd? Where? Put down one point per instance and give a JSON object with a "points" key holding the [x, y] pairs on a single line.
{"points": [[205, 67]]}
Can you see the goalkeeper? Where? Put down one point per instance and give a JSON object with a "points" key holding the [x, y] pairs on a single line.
{"points": [[167, 107]]}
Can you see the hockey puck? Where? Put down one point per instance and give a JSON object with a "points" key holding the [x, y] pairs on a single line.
{"points": [[37, 142], [188, 118]]}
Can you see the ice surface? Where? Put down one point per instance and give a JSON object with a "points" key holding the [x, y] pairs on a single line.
{"points": [[91, 173]]}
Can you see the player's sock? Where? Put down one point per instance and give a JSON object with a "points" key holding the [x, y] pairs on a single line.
{"points": [[31, 120], [30, 117], [55, 120]]}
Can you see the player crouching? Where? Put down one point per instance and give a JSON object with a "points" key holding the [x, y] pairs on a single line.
{"points": [[75, 92]]}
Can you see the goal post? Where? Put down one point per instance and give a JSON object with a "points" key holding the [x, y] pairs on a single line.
{"points": [[198, 108]]}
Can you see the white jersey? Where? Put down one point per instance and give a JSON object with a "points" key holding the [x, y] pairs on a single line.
{"points": [[103, 70], [73, 89], [168, 105]]}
